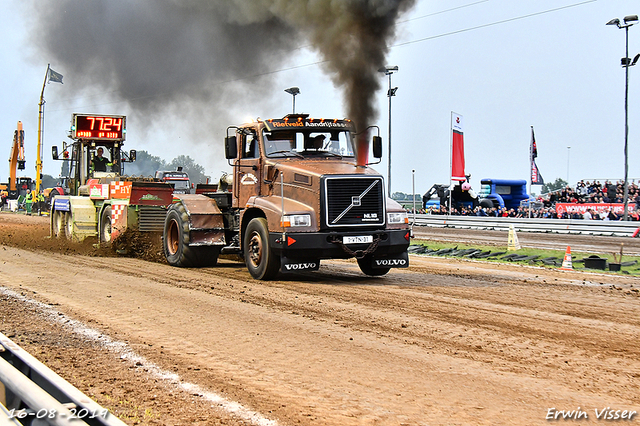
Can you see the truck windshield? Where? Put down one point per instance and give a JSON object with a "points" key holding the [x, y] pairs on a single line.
{"points": [[179, 184], [287, 143]]}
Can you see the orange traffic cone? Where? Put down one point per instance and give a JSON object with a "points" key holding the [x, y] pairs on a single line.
{"points": [[566, 263]]}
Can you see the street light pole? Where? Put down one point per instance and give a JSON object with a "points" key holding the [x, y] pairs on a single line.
{"points": [[388, 70], [293, 91], [626, 63], [568, 154], [626, 123]]}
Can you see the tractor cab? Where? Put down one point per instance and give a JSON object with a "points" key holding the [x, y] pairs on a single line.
{"points": [[91, 136], [82, 156]]}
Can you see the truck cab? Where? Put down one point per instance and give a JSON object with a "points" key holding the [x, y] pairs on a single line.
{"points": [[177, 178], [298, 196]]}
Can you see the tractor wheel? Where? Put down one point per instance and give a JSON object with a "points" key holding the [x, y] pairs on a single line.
{"points": [[68, 226], [367, 269], [105, 225], [175, 242], [57, 221], [262, 263]]}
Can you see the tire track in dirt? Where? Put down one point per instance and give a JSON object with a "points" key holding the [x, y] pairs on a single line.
{"points": [[445, 342], [461, 320]]}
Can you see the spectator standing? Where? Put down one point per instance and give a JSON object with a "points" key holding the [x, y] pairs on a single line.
{"points": [[611, 190], [28, 201]]}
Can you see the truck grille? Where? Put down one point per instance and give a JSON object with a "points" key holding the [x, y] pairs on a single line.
{"points": [[151, 218], [354, 201]]}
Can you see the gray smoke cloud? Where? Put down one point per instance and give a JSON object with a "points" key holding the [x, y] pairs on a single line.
{"points": [[195, 56]]}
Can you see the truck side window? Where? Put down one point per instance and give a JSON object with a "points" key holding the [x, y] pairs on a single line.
{"points": [[249, 146]]}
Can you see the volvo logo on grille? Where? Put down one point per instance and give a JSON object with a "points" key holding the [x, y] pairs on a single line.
{"points": [[355, 201]]}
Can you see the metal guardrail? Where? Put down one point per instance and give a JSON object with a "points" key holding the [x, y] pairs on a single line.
{"points": [[560, 226], [33, 395]]}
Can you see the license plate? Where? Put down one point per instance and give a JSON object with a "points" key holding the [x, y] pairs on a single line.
{"points": [[358, 240]]}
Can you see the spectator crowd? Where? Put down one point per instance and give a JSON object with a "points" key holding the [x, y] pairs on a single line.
{"points": [[584, 193]]}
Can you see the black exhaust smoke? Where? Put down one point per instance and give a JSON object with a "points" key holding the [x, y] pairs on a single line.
{"points": [[168, 55]]}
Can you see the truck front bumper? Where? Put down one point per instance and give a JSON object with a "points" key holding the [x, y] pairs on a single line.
{"points": [[328, 245]]}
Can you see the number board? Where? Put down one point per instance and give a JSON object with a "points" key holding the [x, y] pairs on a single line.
{"points": [[98, 127]]}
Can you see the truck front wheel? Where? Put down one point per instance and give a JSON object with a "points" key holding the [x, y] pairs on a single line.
{"points": [[262, 263], [175, 241], [366, 267]]}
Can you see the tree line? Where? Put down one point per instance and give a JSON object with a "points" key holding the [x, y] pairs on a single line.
{"points": [[146, 165]]}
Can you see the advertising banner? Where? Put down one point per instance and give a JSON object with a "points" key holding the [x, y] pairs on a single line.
{"points": [[597, 207]]}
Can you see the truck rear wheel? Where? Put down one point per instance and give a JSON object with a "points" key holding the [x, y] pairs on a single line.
{"points": [[261, 262], [105, 225], [175, 242], [367, 269]]}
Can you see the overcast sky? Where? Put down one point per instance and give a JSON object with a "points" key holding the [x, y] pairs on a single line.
{"points": [[503, 65]]}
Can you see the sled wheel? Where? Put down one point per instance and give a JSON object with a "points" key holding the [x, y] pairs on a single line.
{"points": [[58, 224], [105, 225], [68, 226]]}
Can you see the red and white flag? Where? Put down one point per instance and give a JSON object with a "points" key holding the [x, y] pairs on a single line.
{"points": [[457, 148]]}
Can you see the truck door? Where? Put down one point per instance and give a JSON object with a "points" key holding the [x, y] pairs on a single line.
{"points": [[247, 183]]}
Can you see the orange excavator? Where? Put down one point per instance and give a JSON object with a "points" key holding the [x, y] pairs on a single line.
{"points": [[17, 186]]}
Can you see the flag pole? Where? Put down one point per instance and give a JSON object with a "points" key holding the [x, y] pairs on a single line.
{"points": [[40, 130], [530, 169], [450, 160]]}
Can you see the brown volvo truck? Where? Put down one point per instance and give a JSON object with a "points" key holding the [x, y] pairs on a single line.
{"points": [[297, 196]]}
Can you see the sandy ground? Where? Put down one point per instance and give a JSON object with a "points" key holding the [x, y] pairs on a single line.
{"points": [[446, 342]]}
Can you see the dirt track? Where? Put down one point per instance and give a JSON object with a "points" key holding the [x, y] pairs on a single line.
{"points": [[445, 342]]}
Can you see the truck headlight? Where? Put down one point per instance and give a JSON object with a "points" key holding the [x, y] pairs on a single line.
{"points": [[397, 217], [296, 220]]}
